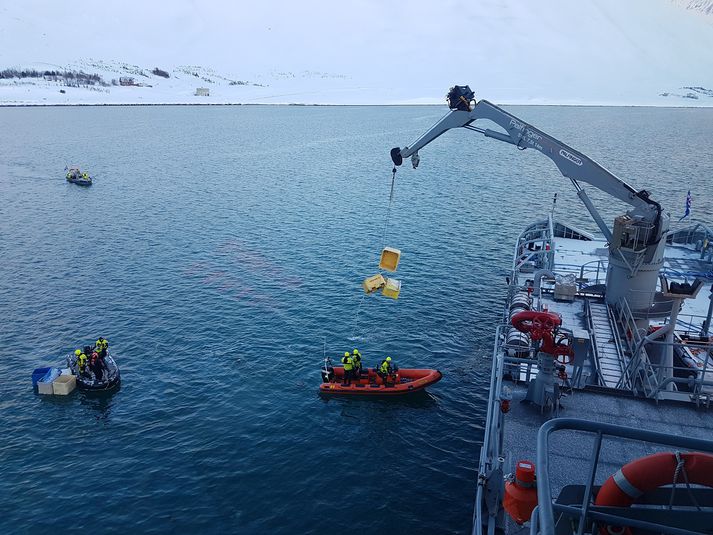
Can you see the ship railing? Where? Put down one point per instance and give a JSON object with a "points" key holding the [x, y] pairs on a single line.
{"points": [[661, 381], [689, 235], [543, 517], [638, 364], [565, 231], [696, 378], [700, 383], [539, 257], [692, 325], [599, 267], [550, 255], [639, 236], [491, 462], [535, 244]]}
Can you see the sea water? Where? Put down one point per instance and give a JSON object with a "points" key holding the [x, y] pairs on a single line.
{"points": [[221, 252]]}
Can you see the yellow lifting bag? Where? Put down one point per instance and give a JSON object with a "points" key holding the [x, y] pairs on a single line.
{"points": [[372, 284], [389, 259], [392, 288]]}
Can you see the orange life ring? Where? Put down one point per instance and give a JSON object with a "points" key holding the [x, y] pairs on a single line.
{"points": [[649, 473]]}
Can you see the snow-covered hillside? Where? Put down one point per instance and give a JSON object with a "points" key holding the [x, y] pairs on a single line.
{"points": [[638, 52], [182, 84]]}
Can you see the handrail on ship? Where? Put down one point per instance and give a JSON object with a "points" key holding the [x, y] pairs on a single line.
{"points": [[493, 427], [601, 265], [550, 255], [545, 508], [638, 360], [546, 237], [689, 232]]}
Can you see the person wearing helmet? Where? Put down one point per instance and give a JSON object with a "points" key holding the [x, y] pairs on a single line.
{"points": [[81, 360], [101, 346], [348, 362], [357, 363], [386, 370], [97, 365]]}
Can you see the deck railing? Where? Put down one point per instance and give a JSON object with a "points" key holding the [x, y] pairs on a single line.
{"points": [[600, 268], [689, 235], [491, 460], [543, 519]]}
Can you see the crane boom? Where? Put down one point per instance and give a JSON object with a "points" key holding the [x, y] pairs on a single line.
{"points": [[570, 162], [636, 242]]}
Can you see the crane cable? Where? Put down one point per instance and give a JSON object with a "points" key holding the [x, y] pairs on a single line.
{"points": [[383, 239], [388, 210]]}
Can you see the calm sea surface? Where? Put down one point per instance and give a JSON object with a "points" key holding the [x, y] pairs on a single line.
{"points": [[220, 251]]}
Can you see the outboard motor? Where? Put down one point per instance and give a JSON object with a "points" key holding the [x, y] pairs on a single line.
{"points": [[459, 97], [327, 371], [327, 374]]}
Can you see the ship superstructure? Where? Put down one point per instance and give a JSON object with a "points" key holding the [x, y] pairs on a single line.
{"points": [[602, 374]]}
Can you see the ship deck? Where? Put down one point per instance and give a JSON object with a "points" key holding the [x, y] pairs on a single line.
{"points": [[606, 397], [571, 452]]}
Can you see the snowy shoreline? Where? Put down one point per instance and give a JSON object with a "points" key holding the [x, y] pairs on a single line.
{"points": [[301, 105]]}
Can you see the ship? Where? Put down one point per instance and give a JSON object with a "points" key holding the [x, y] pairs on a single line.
{"points": [[599, 416]]}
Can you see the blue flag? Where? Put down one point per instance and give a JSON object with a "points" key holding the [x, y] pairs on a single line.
{"points": [[688, 206]]}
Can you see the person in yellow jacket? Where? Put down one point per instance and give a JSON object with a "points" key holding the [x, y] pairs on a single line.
{"points": [[81, 360], [386, 370], [357, 363], [348, 363], [101, 346]]}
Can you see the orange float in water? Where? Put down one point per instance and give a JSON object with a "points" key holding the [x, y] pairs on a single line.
{"points": [[521, 493]]}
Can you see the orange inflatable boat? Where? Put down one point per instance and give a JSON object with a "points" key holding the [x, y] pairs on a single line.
{"points": [[404, 381]]}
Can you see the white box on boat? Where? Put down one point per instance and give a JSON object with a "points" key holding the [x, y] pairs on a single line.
{"points": [[44, 388], [64, 385]]}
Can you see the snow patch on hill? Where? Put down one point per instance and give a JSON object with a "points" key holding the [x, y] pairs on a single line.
{"points": [[185, 84]]}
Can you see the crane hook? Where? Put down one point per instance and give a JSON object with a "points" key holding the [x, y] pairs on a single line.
{"points": [[415, 160]]}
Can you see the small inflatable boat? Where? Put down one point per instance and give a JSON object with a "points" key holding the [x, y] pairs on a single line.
{"points": [[404, 381], [75, 176], [106, 378]]}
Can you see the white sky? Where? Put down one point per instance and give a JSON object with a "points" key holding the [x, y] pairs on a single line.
{"points": [[507, 49]]}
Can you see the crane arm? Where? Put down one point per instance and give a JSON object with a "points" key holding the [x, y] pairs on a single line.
{"points": [[570, 162]]}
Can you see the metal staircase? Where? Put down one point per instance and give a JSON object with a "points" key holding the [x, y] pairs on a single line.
{"points": [[638, 369], [609, 354]]}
